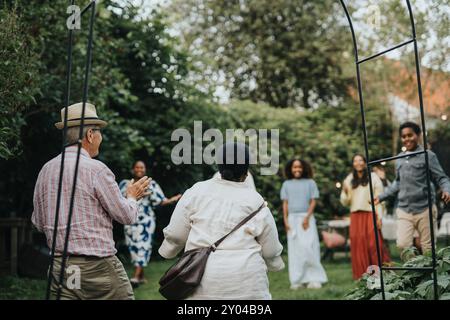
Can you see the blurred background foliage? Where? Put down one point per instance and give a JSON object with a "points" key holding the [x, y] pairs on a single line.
{"points": [[283, 64]]}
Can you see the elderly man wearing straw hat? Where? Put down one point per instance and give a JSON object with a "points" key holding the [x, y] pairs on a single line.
{"points": [[92, 269]]}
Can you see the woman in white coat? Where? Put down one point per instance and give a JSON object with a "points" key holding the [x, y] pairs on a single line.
{"points": [[208, 211]]}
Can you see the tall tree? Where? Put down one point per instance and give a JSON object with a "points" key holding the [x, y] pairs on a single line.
{"points": [[286, 53]]}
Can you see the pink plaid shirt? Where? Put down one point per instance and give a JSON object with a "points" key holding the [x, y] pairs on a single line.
{"points": [[97, 203]]}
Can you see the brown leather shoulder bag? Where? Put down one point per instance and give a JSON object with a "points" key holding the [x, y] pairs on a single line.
{"points": [[185, 275]]}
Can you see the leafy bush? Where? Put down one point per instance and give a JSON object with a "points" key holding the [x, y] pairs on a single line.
{"points": [[409, 284], [18, 82]]}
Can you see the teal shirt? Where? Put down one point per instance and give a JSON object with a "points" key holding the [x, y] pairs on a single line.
{"points": [[298, 193]]}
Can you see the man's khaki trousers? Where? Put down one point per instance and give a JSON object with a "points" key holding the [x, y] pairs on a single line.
{"points": [[407, 223], [92, 278]]}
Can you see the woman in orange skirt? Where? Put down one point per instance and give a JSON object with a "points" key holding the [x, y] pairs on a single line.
{"points": [[356, 194]]}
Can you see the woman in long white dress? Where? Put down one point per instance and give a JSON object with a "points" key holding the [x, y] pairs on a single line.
{"points": [[299, 194], [209, 210]]}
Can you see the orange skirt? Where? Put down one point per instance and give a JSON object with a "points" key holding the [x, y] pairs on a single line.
{"points": [[363, 247]]}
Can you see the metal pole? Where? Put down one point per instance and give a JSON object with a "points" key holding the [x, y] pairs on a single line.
{"points": [[85, 94], [425, 142], [366, 147], [63, 152]]}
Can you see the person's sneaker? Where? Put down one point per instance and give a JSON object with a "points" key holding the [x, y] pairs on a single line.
{"points": [[314, 285]]}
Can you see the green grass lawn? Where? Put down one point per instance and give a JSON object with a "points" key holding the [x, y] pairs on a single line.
{"points": [[339, 282], [339, 274], [338, 271]]}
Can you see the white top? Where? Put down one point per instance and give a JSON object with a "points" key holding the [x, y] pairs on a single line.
{"points": [[238, 268]]}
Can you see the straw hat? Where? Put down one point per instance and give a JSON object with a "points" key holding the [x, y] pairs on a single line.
{"points": [[74, 116]]}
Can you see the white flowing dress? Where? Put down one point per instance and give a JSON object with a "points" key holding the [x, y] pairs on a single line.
{"points": [[238, 268], [304, 252]]}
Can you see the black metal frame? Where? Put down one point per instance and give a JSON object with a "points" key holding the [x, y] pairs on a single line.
{"points": [[91, 6], [358, 62]]}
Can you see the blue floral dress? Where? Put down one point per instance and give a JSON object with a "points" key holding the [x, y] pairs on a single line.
{"points": [[138, 236]]}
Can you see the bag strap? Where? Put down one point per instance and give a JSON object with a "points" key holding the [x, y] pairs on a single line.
{"points": [[216, 244]]}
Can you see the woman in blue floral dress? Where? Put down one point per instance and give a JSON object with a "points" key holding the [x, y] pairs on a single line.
{"points": [[138, 236]]}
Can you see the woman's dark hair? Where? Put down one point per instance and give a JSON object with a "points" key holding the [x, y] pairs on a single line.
{"points": [[364, 180], [307, 169], [233, 160], [136, 162], [409, 124]]}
